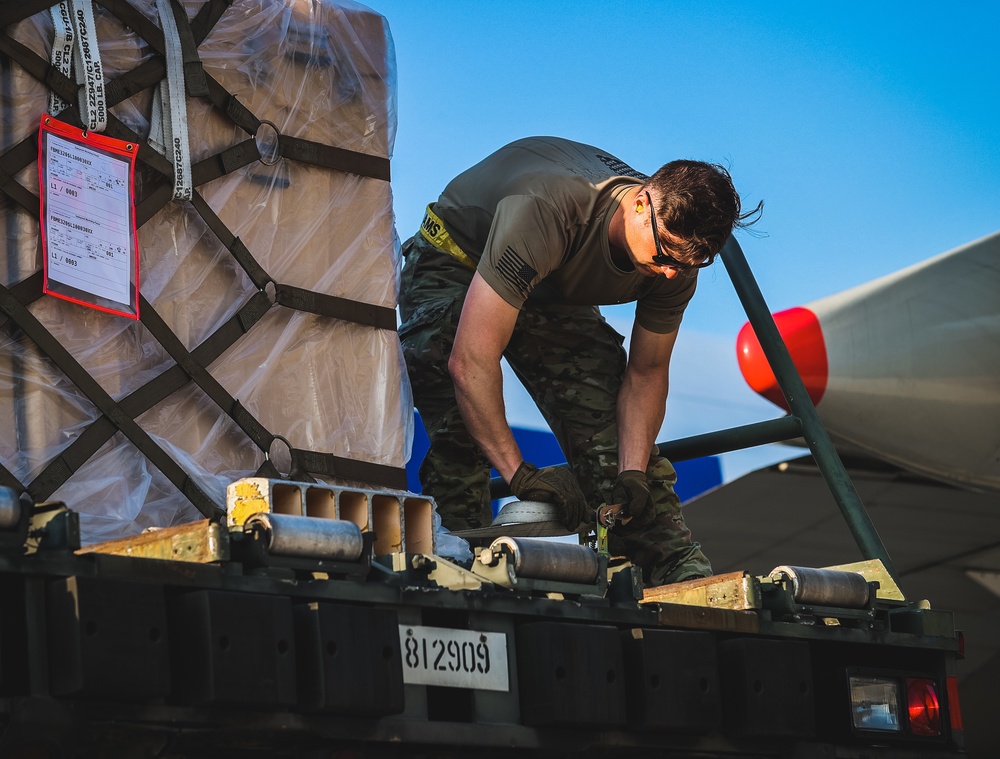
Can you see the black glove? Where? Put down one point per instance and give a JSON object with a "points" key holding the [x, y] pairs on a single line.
{"points": [[632, 490], [553, 484]]}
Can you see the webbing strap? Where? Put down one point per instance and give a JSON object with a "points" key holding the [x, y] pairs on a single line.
{"points": [[11, 13], [66, 88], [229, 160], [69, 461], [212, 387], [347, 469], [153, 392], [61, 56], [234, 244], [150, 73], [174, 378], [130, 83], [330, 157], [154, 202], [16, 191], [145, 75], [369, 314], [192, 34], [207, 17], [149, 395], [136, 21], [237, 326], [194, 72], [51, 347], [269, 470], [27, 291], [89, 68], [170, 120], [38, 67], [238, 113]]}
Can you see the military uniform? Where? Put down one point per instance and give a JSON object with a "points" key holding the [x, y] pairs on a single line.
{"points": [[564, 352]]}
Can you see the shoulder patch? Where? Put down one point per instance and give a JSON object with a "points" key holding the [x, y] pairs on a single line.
{"points": [[515, 271]]}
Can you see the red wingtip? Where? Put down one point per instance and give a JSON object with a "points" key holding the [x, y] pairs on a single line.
{"points": [[803, 335]]}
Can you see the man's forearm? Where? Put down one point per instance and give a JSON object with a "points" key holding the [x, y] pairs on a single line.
{"points": [[641, 407], [642, 399], [480, 399], [483, 333]]}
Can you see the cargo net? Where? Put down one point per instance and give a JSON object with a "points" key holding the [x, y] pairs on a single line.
{"points": [[266, 343]]}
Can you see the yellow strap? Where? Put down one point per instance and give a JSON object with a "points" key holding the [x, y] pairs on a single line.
{"points": [[432, 229]]}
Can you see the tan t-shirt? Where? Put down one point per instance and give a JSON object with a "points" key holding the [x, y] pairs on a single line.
{"points": [[534, 216]]}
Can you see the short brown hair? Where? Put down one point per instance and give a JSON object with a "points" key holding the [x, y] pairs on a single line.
{"points": [[697, 202]]}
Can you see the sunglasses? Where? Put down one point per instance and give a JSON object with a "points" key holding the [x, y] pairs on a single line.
{"points": [[661, 258]]}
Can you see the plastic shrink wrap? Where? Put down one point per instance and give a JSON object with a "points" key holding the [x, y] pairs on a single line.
{"points": [[318, 71]]}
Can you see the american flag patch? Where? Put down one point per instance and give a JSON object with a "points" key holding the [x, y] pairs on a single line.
{"points": [[620, 167], [516, 272]]}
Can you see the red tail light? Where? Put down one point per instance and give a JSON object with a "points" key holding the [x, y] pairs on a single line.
{"points": [[923, 706], [953, 704]]}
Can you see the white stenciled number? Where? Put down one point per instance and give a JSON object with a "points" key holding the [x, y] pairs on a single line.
{"points": [[412, 656], [454, 658], [469, 656], [439, 645], [483, 650]]}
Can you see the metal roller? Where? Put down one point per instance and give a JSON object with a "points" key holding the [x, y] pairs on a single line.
{"points": [[825, 587], [545, 560], [308, 537], [10, 508]]}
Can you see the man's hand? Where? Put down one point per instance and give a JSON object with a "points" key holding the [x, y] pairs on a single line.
{"points": [[632, 490], [552, 484]]}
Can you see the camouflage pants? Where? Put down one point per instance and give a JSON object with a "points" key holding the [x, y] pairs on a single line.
{"points": [[572, 363]]}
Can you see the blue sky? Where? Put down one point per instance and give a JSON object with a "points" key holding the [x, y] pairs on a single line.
{"points": [[870, 130]]}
